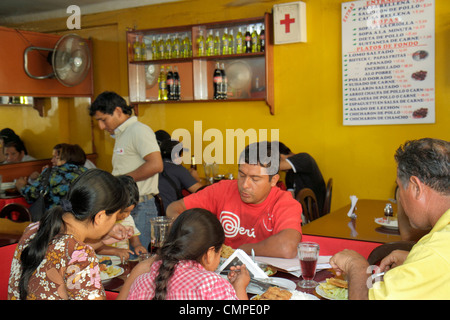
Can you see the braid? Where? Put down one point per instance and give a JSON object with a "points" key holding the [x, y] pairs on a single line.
{"points": [[169, 255]]}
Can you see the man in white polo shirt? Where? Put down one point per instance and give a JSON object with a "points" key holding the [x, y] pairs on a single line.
{"points": [[136, 153]]}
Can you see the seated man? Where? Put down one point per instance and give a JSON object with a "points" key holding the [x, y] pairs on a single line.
{"points": [[423, 176], [254, 213], [302, 172]]}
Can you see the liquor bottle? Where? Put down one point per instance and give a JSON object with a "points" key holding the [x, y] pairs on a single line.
{"points": [[193, 164], [168, 48], [224, 86], [169, 84], [225, 42], [239, 42], [262, 40], [210, 44], [217, 78], [248, 40], [201, 44], [160, 48], [255, 39], [137, 49], [155, 53], [231, 42], [217, 43], [176, 48], [162, 93], [177, 84], [187, 46], [143, 49]]}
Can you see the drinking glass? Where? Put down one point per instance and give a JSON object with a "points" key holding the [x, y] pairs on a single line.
{"points": [[159, 232], [308, 253]]}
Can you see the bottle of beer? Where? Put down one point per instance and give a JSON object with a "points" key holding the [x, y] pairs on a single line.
{"points": [[239, 42], [160, 48], [162, 92], [136, 49], [217, 77], [177, 84], [225, 42], [201, 44], [193, 164], [231, 42], [217, 44], [224, 86], [168, 48], [248, 40], [170, 84], [176, 47], [143, 49], [155, 53], [210, 44]]}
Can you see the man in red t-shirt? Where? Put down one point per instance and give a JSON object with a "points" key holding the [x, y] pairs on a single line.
{"points": [[254, 213]]}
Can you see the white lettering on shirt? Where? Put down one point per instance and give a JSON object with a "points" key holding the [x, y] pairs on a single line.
{"points": [[231, 224]]}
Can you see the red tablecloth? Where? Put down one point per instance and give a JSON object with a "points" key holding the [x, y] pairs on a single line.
{"points": [[21, 200]]}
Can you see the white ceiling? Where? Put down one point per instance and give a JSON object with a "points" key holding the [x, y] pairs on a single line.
{"points": [[19, 11]]}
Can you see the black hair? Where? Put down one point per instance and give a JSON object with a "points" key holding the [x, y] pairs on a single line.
{"points": [[167, 146], [190, 237], [131, 187], [265, 154], [107, 101], [91, 192]]}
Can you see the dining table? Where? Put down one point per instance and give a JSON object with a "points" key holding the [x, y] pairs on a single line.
{"points": [[11, 231], [363, 227]]}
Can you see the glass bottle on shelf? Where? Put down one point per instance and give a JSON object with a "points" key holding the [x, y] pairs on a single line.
{"points": [[160, 48], [262, 39], [136, 49], [155, 53], [187, 47], [176, 48], [210, 44], [231, 42], [248, 40], [201, 44], [170, 84], [143, 49], [162, 92], [255, 39], [217, 78], [224, 85], [225, 42], [239, 42], [168, 48], [217, 43], [177, 84]]}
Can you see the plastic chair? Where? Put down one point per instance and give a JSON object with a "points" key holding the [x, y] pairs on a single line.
{"points": [[382, 251], [15, 212], [308, 200], [327, 201]]}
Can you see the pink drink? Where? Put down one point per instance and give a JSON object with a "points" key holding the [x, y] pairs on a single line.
{"points": [[308, 266]]}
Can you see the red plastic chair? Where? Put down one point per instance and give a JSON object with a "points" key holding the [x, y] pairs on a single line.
{"points": [[6, 257]]}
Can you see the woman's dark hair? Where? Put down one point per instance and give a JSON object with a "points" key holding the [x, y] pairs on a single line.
{"points": [[107, 101], [71, 153], [191, 235], [93, 191]]}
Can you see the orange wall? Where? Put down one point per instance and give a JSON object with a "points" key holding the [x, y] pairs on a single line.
{"points": [[308, 91]]}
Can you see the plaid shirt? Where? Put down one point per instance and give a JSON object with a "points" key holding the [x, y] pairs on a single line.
{"points": [[190, 281]]}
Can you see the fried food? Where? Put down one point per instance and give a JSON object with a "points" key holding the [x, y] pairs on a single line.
{"points": [[275, 293], [338, 282], [227, 251]]}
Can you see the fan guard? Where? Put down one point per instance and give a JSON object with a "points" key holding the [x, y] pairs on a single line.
{"points": [[70, 60]]}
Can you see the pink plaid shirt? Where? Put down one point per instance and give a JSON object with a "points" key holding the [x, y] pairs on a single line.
{"points": [[190, 281]]}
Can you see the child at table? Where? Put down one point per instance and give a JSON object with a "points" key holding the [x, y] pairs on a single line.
{"points": [[122, 248], [185, 265]]}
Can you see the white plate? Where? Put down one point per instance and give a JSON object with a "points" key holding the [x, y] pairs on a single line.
{"points": [[392, 224], [323, 294], [105, 276], [115, 260], [7, 185], [298, 295], [284, 283]]}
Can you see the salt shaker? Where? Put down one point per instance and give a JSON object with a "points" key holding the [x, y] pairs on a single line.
{"points": [[388, 212]]}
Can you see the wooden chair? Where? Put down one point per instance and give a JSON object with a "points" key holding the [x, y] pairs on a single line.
{"points": [[327, 202], [15, 212], [308, 200], [160, 205], [382, 251]]}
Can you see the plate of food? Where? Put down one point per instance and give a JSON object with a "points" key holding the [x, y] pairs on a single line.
{"points": [[391, 224], [333, 289], [254, 288], [110, 272], [275, 293]]}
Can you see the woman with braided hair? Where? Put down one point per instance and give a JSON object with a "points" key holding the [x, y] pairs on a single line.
{"points": [[184, 267]]}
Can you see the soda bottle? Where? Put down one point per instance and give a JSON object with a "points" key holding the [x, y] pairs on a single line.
{"points": [[248, 40], [239, 42], [231, 42], [225, 42], [162, 92], [155, 53], [168, 48], [176, 48], [201, 44], [210, 44], [137, 49], [217, 44], [160, 48], [254, 40], [262, 40], [169, 84], [177, 84], [224, 86], [217, 77]]}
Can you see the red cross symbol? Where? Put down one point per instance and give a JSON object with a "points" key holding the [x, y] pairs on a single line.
{"points": [[287, 22]]}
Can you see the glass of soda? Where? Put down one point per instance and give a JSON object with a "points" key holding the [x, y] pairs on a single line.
{"points": [[308, 253]]}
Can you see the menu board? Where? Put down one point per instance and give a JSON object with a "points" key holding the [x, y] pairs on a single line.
{"points": [[388, 62]]}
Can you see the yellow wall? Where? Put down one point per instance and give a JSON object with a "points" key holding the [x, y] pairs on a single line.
{"points": [[308, 91]]}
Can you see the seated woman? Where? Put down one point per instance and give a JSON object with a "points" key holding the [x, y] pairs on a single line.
{"points": [[68, 166], [52, 260]]}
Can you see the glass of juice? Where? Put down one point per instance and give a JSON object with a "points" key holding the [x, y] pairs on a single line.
{"points": [[308, 253]]}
